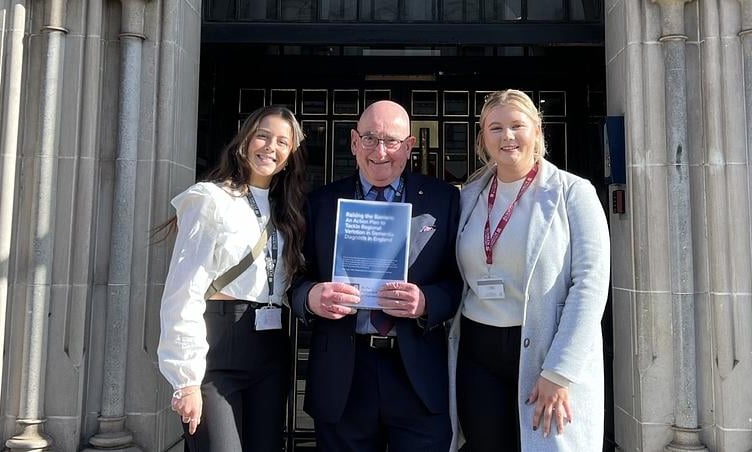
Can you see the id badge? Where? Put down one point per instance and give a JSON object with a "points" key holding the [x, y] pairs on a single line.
{"points": [[268, 318], [490, 288]]}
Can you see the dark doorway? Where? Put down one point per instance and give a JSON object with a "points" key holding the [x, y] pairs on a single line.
{"points": [[442, 93], [441, 87]]}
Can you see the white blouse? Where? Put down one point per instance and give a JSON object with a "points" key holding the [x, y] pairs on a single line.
{"points": [[216, 229]]}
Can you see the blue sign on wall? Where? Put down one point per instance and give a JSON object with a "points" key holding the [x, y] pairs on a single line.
{"points": [[616, 171]]}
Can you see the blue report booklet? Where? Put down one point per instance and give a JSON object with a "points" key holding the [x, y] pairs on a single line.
{"points": [[371, 246]]}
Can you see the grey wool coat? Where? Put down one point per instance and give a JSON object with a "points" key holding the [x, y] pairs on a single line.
{"points": [[566, 285]]}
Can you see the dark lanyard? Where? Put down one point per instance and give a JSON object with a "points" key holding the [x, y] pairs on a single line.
{"points": [[490, 240], [397, 193], [271, 261]]}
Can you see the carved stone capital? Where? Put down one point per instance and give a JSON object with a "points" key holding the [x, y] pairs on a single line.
{"points": [[746, 14], [672, 16], [132, 20]]}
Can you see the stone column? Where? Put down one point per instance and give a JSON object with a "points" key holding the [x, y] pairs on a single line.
{"points": [[746, 37], [12, 75], [113, 434], [715, 188], [686, 431], [30, 416]]}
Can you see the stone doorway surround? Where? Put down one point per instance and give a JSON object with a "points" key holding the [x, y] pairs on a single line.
{"points": [[679, 72], [681, 75]]}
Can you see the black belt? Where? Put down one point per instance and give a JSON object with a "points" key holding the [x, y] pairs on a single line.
{"points": [[378, 342]]}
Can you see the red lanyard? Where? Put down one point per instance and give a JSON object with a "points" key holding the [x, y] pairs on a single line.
{"points": [[488, 240]]}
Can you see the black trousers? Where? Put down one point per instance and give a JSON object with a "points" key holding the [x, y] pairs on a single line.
{"points": [[383, 412], [246, 383], [487, 372]]}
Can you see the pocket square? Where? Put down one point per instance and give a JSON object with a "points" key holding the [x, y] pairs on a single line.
{"points": [[422, 229]]}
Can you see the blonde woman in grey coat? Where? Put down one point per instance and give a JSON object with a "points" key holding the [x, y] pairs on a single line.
{"points": [[526, 372]]}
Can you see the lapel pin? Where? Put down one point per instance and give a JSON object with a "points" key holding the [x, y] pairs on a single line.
{"points": [[420, 192]]}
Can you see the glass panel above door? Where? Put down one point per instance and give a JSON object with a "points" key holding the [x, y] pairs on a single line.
{"points": [[456, 103], [253, 10], [425, 103], [403, 11], [315, 102], [419, 10], [461, 11], [379, 10], [315, 142], [286, 98], [298, 10], [346, 102], [586, 10], [545, 10], [336, 10], [251, 99], [500, 10], [344, 162]]}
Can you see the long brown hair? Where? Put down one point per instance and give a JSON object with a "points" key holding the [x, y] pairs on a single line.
{"points": [[287, 188]]}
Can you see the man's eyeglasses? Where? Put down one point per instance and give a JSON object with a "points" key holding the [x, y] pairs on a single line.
{"points": [[372, 141]]}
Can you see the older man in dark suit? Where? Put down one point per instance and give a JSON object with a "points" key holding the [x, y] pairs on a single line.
{"points": [[378, 381]]}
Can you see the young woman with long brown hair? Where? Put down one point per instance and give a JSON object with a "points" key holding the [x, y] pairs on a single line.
{"points": [[226, 354]]}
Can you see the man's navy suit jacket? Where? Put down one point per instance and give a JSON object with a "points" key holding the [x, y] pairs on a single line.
{"points": [[422, 343]]}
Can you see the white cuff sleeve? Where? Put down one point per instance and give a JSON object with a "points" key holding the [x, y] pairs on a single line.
{"points": [[555, 378]]}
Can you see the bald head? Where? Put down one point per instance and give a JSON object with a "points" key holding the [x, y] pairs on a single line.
{"points": [[383, 120], [386, 109]]}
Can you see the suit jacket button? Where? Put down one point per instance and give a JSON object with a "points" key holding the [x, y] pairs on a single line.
{"points": [[526, 343]]}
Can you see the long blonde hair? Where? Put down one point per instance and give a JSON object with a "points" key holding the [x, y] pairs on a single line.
{"points": [[520, 102]]}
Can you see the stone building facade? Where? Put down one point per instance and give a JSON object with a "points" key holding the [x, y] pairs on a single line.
{"points": [[97, 128], [681, 73]]}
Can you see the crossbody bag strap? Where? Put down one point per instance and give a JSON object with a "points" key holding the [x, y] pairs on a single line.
{"points": [[231, 274]]}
